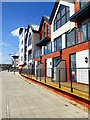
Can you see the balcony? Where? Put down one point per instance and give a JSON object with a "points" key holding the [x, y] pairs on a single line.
{"points": [[43, 41], [82, 13], [54, 46], [38, 53], [79, 35]]}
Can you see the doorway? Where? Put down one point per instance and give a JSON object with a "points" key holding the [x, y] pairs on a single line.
{"points": [[73, 66]]}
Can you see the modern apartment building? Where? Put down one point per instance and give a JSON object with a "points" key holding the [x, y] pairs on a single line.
{"points": [[69, 45], [32, 37], [61, 41], [79, 47], [22, 47], [45, 38]]}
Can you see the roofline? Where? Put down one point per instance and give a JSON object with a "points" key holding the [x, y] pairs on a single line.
{"points": [[53, 11], [43, 18]]}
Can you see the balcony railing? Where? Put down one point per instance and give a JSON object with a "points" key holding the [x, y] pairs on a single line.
{"points": [[79, 35], [54, 46], [38, 53]]}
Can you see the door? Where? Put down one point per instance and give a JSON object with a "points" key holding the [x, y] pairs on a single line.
{"points": [[73, 66]]}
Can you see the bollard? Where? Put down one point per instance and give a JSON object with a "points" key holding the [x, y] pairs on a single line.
{"points": [[71, 79], [59, 80], [45, 75], [36, 74]]}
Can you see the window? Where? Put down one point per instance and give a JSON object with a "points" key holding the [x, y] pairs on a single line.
{"points": [[22, 50], [21, 58], [49, 48], [44, 29], [22, 42], [30, 40], [58, 44], [83, 33], [62, 17], [83, 3], [88, 30], [45, 50], [47, 31]]}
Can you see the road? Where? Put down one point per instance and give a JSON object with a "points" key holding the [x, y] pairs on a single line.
{"points": [[28, 100]]}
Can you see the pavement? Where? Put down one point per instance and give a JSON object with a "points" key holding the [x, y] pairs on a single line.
{"points": [[21, 99]]}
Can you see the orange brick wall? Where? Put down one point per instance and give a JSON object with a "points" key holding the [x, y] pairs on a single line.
{"points": [[65, 55]]}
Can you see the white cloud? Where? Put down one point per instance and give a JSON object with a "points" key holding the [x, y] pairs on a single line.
{"points": [[15, 32], [4, 44]]}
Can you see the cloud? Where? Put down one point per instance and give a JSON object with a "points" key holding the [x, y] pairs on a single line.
{"points": [[15, 32], [4, 44]]}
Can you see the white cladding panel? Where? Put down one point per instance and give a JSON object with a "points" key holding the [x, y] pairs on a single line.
{"points": [[35, 66], [82, 74], [63, 41], [49, 66]]}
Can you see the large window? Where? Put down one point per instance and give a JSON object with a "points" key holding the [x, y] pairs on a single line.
{"points": [[30, 40], [44, 29], [58, 44], [62, 17], [47, 31]]}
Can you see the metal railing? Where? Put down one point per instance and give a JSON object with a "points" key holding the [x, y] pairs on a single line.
{"points": [[77, 79]]}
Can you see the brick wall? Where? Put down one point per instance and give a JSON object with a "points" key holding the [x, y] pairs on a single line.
{"points": [[65, 55]]}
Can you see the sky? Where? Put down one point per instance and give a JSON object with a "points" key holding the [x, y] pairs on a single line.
{"points": [[16, 15]]}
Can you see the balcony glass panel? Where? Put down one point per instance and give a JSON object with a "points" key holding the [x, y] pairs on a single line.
{"points": [[70, 38]]}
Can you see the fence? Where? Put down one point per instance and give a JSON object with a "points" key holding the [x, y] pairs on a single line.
{"points": [[71, 78]]}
